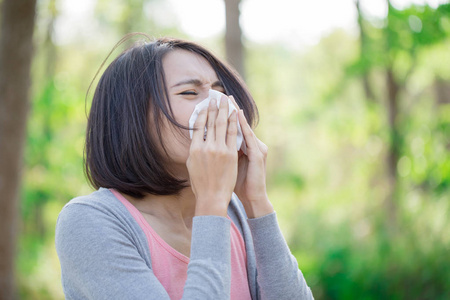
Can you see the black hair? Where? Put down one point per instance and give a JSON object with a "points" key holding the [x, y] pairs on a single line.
{"points": [[129, 103]]}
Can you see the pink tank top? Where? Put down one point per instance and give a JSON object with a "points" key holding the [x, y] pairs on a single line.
{"points": [[170, 266]]}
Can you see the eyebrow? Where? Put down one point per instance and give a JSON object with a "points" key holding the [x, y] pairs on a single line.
{"points": [[197, 82]]}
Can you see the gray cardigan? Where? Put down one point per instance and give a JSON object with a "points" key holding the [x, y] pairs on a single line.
{"points": [[104, 254]]}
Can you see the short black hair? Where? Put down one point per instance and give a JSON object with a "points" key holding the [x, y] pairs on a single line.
{"points": [[130, 98]]}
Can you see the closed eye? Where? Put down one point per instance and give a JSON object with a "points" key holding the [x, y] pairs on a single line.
{"points": [[191, 93]]}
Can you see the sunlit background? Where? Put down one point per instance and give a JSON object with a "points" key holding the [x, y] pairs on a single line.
{"points": [[361, 189]]}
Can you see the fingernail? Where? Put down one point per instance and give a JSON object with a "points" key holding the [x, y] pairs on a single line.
{"points": [[213, 102]]}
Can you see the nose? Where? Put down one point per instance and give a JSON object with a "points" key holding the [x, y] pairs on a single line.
{"points": [[203, 95]]}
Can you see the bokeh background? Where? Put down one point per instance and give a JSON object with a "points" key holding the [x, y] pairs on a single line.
{"points": [[354, 103]]}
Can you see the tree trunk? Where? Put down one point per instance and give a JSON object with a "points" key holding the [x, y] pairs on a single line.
{"points": [[133, 17], [364, 53], [233, 36], [395, 141], [442, 91], [51, 58], [15, 62], [394, 147], [50, 48]]}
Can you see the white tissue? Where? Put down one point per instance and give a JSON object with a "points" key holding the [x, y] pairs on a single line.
{"points": [[213, 94]]}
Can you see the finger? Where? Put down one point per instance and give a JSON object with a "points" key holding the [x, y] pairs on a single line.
{"points": [[234, 102], [199, 126], [222, 120], [249, 136], [212, 114], [232, 131], [262, 147]]}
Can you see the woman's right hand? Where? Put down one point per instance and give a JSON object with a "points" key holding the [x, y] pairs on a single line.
{"points": [[212, 163]]}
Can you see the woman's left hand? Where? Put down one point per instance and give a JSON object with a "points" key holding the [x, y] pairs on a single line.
{"points": [[251, 179]]}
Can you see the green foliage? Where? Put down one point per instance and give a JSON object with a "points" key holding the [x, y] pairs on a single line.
{"points": [[327, 160], [377, 267], [334, 214]]}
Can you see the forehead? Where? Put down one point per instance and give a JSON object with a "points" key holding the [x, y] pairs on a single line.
{"points": [[181, 65]]}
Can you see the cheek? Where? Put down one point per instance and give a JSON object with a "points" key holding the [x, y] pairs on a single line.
{"points": [[180, 138], [183, 111]]}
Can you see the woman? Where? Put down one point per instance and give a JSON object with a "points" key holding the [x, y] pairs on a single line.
{"points": [[173, 217]]}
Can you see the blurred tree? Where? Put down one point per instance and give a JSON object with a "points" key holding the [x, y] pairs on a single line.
{"points": [[122, 17], [394, 49], [15, 62], [442, 88], [233, 36], [34, 205], [132, 15], [49, 45], [364, 44], [393, 88]]}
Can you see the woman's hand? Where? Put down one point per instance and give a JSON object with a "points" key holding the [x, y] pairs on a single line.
{"points": [[212, 163], [251, 180]]}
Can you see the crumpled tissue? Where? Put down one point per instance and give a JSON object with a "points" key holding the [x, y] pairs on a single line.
{"points": [[213, 94]]}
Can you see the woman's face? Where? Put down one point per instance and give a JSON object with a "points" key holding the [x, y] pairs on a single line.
{"points": [[188, 79]]}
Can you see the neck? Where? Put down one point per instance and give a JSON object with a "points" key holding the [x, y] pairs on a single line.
{"points": [[174, 208]]}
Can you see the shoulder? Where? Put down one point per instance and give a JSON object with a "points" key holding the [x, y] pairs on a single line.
{"points": [[96, 219], [99, 206], [102, 199], [101, 248]]}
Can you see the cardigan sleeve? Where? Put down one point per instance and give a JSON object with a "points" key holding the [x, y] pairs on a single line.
{"points": [[100, 260], [278, 274]]}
